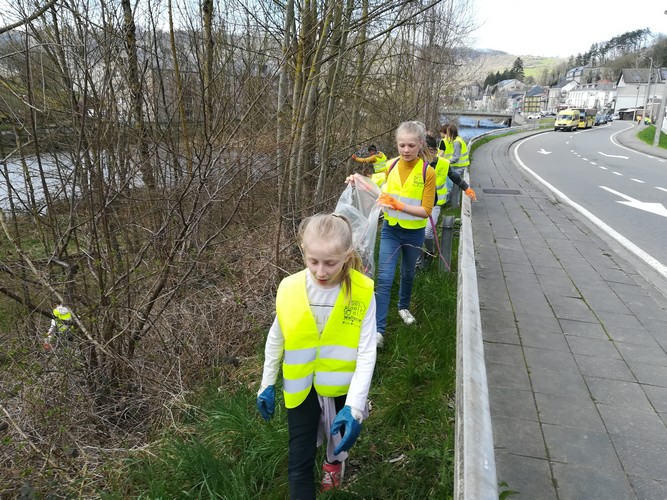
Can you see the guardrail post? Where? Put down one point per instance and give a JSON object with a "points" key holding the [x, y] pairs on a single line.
{"points": [[455, 196], [446, 243]]}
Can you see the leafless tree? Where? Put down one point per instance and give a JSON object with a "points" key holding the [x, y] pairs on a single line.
{"points": [[156, 158]]}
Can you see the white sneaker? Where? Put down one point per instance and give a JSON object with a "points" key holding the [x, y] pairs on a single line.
{"points": [[380, 339], [405, 315]]}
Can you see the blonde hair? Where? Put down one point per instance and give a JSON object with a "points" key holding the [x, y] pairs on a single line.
{"points": [[418, 129], [337, 230]]}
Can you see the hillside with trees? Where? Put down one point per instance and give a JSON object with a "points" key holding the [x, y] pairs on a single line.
{"points": [[628, 50]]}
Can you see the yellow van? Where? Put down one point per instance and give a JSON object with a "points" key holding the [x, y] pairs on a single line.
{"points": [[567, 119]]}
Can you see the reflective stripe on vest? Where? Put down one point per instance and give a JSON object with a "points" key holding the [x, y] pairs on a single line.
{"points": [[325, 361], [380, 163], [441, 170], [464, 160], [410, 193]]}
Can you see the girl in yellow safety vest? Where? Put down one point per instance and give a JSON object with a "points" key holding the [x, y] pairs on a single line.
{"points": [[407, 198], [324, 331]]}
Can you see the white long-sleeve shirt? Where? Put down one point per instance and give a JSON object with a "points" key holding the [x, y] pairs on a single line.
{"points": [[321, 302]]}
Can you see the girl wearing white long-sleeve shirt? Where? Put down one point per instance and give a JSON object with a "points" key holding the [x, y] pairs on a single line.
{"points": [[324, 332]]}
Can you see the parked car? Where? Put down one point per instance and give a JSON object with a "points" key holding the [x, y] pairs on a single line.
{"points": [[615, 116], [534, 116], [600, 119]]}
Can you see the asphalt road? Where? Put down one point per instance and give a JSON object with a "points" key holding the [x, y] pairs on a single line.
{"points": [[625, 189]]}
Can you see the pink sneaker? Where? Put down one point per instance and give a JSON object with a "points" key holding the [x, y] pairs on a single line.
{"points": [[332, 475]]}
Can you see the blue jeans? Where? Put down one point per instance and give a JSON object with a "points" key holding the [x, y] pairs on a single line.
{"points": [[395, 240]]}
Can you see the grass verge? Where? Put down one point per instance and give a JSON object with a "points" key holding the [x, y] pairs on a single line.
{"points": [[647, 134], [406, 448]]}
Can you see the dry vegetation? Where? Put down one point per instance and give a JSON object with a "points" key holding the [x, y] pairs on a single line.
{"points": [[156, 159]]}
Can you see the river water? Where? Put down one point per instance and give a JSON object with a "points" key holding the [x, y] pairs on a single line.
{"points": [[468, 130], [57, 173]]}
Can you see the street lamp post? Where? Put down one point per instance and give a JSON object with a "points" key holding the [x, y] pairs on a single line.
{"points": [[648, 88]]}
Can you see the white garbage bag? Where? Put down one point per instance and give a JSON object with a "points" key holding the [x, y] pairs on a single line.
{"points": [[357, 204]]}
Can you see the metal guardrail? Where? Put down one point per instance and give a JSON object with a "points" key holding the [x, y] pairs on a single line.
{"points": [[475, 466]]}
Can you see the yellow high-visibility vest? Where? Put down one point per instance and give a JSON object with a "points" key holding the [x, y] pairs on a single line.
{"points": [[63, 318], [409, 193], [464, 159], [448, 151], [380, 163], [325, 361], [441, 171], [379, 179]]}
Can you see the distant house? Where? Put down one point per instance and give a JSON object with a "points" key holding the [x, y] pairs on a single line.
{"points": [[557, 94], [633, 88], [532, 101], [471, 94]]}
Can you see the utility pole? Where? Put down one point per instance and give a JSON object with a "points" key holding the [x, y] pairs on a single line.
{"points": [[648, 88], [661, 113]]}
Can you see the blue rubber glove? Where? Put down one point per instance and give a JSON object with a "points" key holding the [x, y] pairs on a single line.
{"points": [[348, 426], [266, 402]]}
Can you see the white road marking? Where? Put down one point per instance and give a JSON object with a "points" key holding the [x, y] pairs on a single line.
{"points": [[661, 189], [617, 173], [544, 152], [586, 159], [637, 180], [604, 168], [593, 163], [654, 208], [613, 156], [658, 266]]}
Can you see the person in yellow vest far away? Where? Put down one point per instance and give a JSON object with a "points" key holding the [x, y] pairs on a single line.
{"points": [[61, 328], [377, 158], [378, 179], [454, 149], [324, 331], [407, 198], [442, 174]]}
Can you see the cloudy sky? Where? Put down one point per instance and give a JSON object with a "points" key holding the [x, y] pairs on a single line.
{"points": [[541, 28]]}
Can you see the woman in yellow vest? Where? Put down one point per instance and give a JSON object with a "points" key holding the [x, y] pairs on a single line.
{"points": [[407, 198], [324, 331], [455, 151]]}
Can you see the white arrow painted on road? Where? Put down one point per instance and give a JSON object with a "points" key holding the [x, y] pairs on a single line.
{"points": [[654, 208], [542, 151], [613, 156]]}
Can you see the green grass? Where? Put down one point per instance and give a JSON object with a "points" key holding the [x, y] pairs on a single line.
{"points": [[405, 450], [647, 135]]}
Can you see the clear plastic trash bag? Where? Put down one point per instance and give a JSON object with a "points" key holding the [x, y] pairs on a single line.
{"points": [[357, 204]]}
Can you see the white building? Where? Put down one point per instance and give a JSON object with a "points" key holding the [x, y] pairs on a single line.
{"points": [[633, 87], [598, 95]]}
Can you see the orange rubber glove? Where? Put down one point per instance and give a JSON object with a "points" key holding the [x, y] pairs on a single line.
{"points": [[354, 157], [470, 193], [386, 200]]}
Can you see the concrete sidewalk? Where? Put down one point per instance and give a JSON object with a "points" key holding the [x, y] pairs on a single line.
{"points": [[575, 342]]}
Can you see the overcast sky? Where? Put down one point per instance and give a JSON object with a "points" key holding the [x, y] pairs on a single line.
{"points": [[540, 28]]}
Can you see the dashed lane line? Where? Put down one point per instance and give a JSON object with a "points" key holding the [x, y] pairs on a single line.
{"points": [[617, 173], [637, 180]]}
